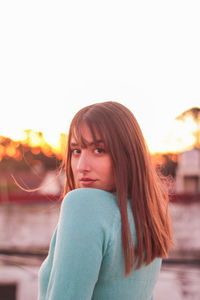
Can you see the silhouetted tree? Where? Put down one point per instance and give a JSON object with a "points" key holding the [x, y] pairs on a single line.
{"points": [[17, 155], [168, 168]]}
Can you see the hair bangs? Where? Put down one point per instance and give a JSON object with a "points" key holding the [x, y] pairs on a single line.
{"points": [[97, 132]]}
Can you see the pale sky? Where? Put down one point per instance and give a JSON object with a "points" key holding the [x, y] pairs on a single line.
{"points": [[59, 56]]}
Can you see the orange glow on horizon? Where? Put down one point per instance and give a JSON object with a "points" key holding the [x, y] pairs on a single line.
{"points": [[33, 140], [179, 137]]}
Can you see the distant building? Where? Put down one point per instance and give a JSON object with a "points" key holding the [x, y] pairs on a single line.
{"points": [[188, 172]]}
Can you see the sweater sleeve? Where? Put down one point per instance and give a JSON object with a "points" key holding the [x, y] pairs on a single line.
{"points": [[79, 248]]}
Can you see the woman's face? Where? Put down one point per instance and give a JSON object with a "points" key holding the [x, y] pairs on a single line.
{"points": [[91, 166]]}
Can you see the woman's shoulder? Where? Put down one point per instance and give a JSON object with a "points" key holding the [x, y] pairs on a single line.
{"points": [[89, 192], [90, 196], [92, 203]]}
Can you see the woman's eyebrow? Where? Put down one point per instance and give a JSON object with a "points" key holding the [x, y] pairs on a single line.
{"points": [[73, 144]]}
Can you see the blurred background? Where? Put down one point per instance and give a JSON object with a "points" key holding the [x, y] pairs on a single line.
{"points": [[57, 57]]}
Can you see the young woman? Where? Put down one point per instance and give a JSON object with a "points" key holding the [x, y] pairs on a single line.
{"points": [[114, 227]]}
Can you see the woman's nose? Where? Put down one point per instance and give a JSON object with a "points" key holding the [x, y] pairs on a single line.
{"points": [[84, 162]]}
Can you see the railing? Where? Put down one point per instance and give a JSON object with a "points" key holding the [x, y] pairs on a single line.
{"points": [[38, 198], [28, 198], [185, 198]]}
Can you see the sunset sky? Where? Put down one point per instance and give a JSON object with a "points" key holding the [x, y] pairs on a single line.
{"points": [[58, 56]]}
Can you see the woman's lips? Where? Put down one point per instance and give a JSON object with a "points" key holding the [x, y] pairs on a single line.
{"points": [[87, 181]]}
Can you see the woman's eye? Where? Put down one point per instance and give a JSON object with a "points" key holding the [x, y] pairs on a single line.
{"points": [[76, 151], [99, 150]]}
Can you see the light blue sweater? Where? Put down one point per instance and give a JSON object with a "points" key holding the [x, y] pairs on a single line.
{"points": [[86, 260]]}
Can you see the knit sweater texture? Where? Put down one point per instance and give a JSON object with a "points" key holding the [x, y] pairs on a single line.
{"points": [[86, 260]]}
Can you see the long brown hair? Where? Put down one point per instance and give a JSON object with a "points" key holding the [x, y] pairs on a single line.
{"points": [[134, 176]]}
